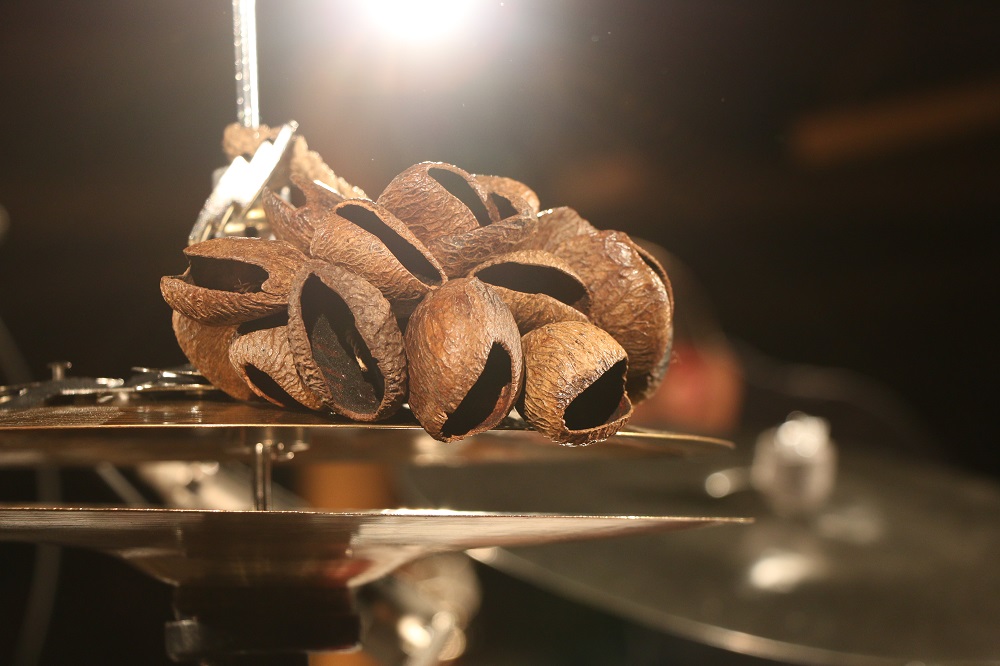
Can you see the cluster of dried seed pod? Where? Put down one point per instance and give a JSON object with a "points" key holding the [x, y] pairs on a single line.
{"points": [[451, 291]]}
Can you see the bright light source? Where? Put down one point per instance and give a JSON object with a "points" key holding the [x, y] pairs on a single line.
{"points": [[419, 21]]}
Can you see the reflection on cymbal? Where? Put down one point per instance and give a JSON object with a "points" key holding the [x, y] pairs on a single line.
{"points": [[189, 547], [900, 566], [137, 431]]}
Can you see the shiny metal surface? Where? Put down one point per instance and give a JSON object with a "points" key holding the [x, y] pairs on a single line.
{"points": [[239, 548], [130, 431], [901, 567]]}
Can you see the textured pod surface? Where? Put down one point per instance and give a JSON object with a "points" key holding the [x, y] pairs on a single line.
{"points": [[538, 287], [435, 199], [510, 188], [629, 301], [556, 226], [460, 253], [465, 360], [307, 165], [288, 223], [574, 383], [347, 346], [366, 238], [260, 353], [233, 280], [239, 140], [207, 348]]}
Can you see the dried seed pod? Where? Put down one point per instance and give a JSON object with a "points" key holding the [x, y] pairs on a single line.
{"points": [[347, 346], [465, 360], [239, 139], [538, 287], [555, 226], [288, 223], [262, 357], [307, 165], [510, 188], [367, 239], [574, 383], [233, 280], [629, 301], [436, 199], [460, 253], [297, 225], [207, 347]]}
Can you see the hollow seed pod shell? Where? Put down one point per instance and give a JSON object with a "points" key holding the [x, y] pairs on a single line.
{"points": [[574, 383], [233, 280], [510, 188], [207, 348], [465, 360], [555, 226], [367, 239], [261, 355], [629, 301], [538, 287], [435, 199], [345, 341], [460, 253], [288, 223]]}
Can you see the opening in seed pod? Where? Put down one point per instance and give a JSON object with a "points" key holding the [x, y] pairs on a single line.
{"points": [[504, 207], [460, 189], [533, 279], [410, 257], [272, 321], [350, 371], [227, 275], [599, 403], [268, 386], [484, 395]]}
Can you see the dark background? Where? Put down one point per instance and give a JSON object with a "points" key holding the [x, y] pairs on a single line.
{"points": [[829, 170]]}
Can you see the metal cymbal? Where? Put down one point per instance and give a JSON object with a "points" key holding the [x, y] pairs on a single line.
{"points": [[138, 429], [240, 548], [901, 565]]}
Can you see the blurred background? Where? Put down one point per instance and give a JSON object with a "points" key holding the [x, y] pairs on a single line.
{"points": [[828, 172]]}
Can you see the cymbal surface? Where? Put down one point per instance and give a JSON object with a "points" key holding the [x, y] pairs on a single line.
{"points": [[141, 430], [900, 567], [198, 547]]}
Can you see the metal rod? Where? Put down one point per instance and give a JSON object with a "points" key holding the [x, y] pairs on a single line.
{"points": [[263, 463], [245, 41]]}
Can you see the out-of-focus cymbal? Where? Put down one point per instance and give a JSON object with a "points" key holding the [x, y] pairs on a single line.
{"points": [[239, 548], [143, 429], [900, 567]]}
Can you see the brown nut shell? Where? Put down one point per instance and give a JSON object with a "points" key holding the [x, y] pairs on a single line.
{"points": [[465, 360], [347, 346], [460, 253], [261, 355], [510, 188], [629, 301], [555, 226], [207, 348], [367, 239], [538, 287], [574, 383], [288, 223], [233, 280], [435, 199]]}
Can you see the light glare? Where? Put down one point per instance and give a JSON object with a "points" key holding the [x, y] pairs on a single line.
{"points": [[418, 21]]}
